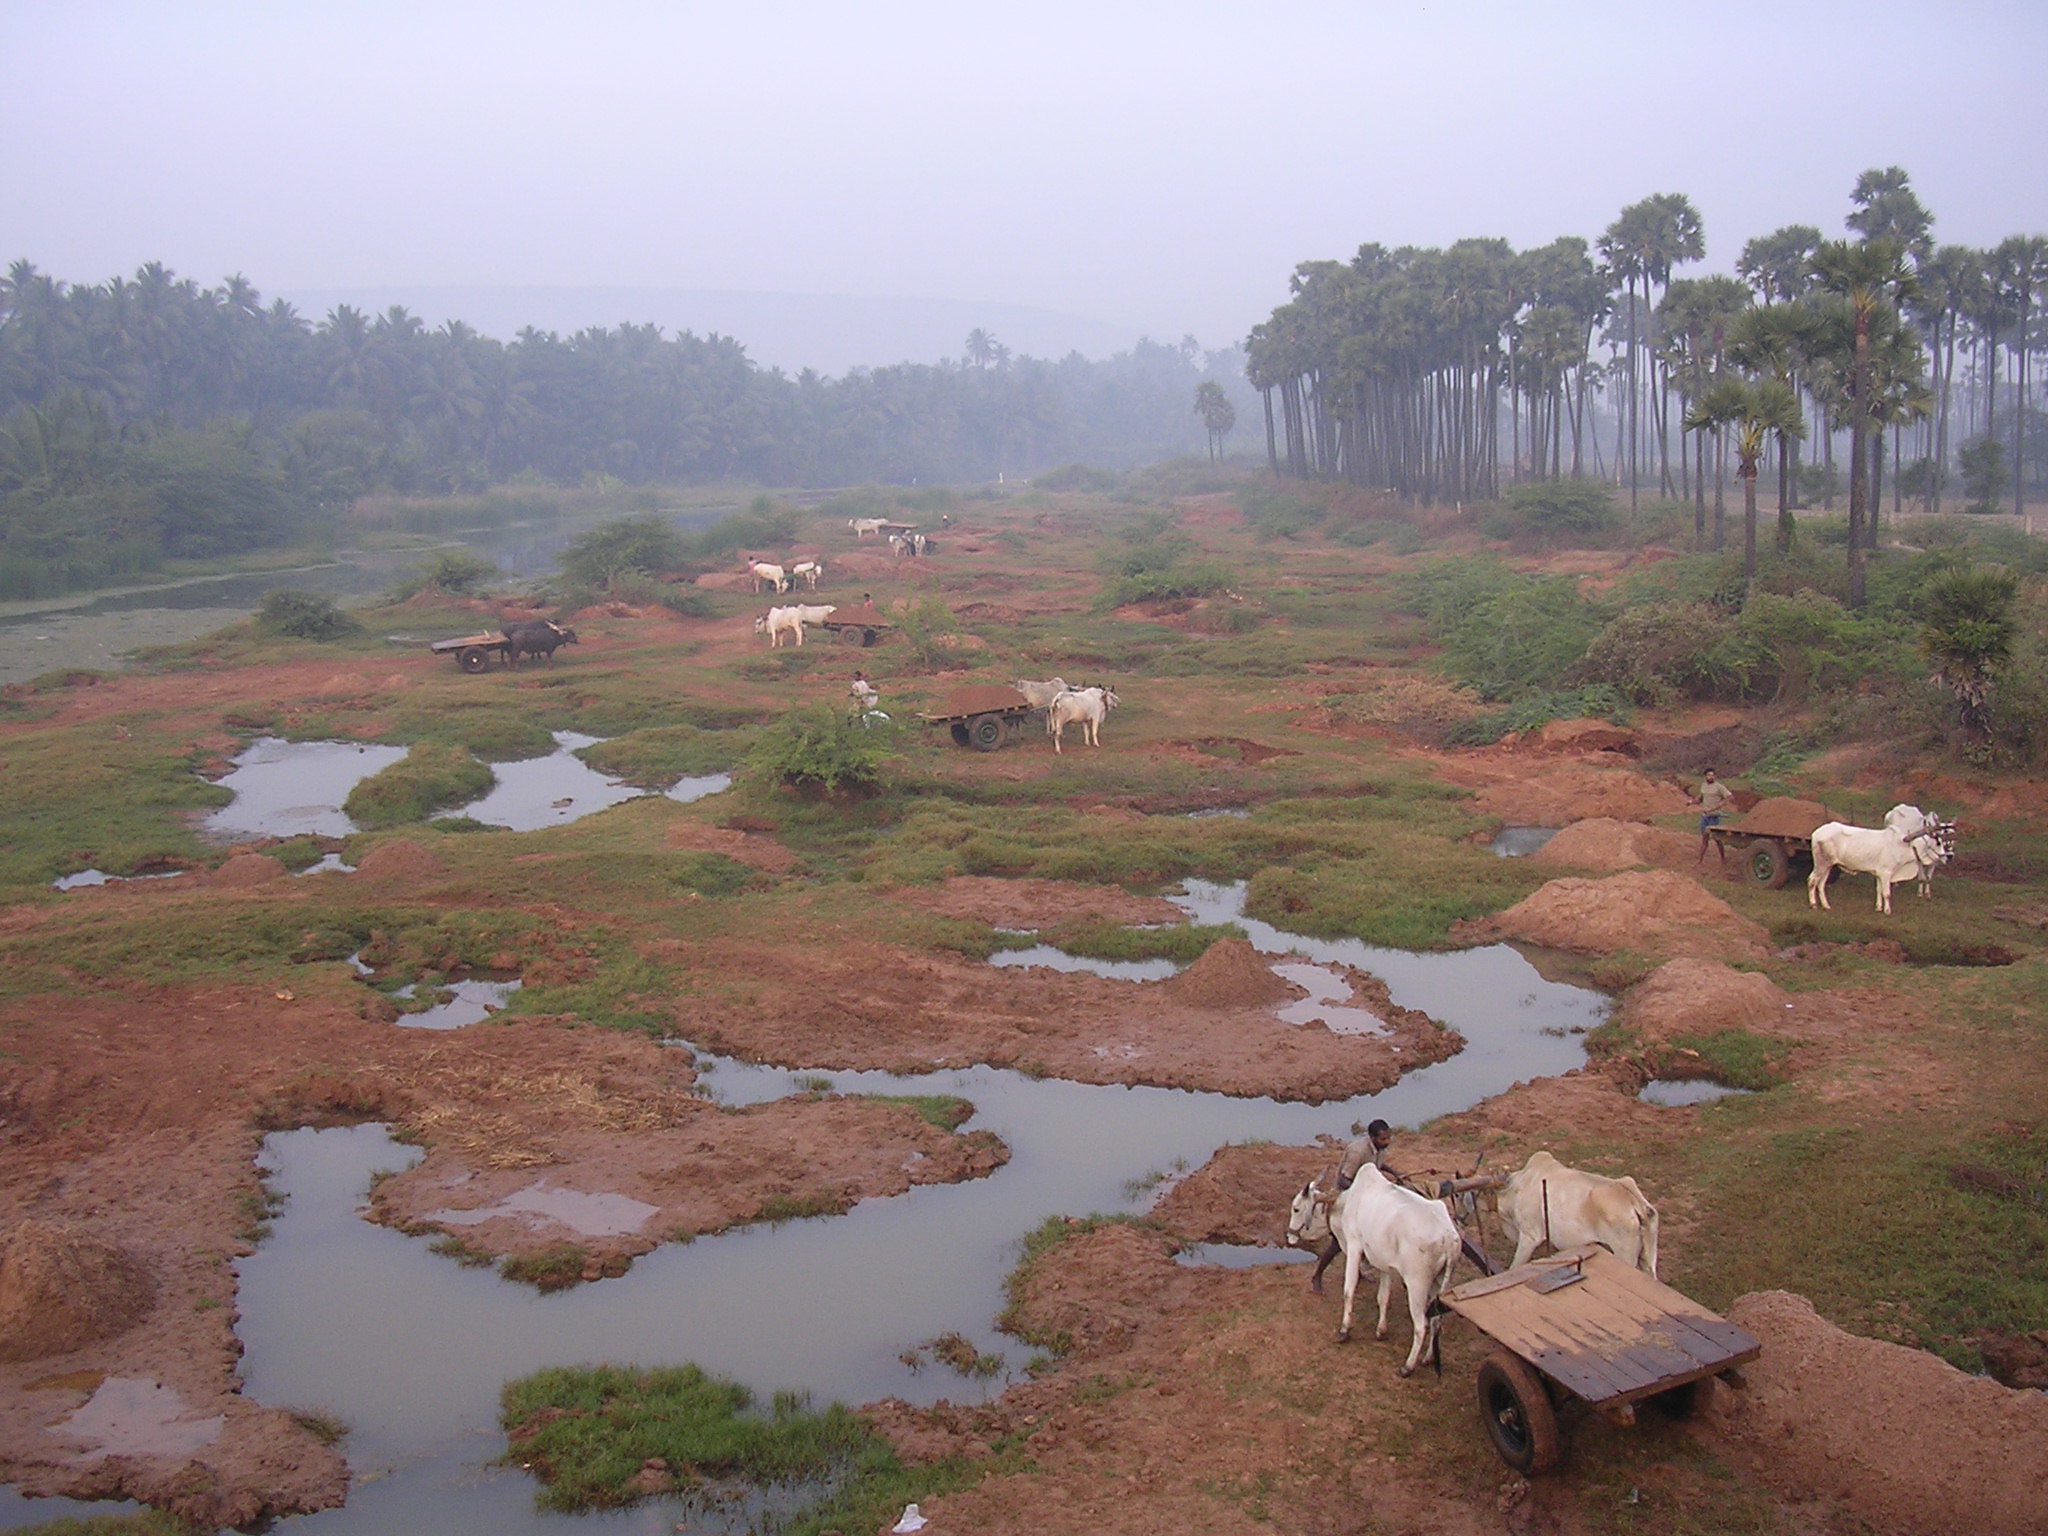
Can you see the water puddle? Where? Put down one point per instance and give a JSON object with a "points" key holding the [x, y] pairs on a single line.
{"points": [[548, 791], [136, 1416], [686, 790], [410, 1349], [1674, 1092], [1059, 960], [293, 788], [474, 1001], [330, 864], [88, 877], [1327, 1001], [1237, 812], [1520, 842]]}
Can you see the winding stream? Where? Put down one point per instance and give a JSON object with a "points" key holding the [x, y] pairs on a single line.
{"points": [[410, 1349]]}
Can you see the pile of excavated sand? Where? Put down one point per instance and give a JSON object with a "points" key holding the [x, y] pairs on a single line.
{"points": [[1690, 996], [401, 858], [1900, 1438], [1653, 911], [1230, 974], [244, 869], [61, 1288], [1586, 736], [1610, 846]]}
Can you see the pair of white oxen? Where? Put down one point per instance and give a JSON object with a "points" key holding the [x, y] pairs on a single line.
{"points": [[1909, 846], [1065, 706], [1396, 1231]]}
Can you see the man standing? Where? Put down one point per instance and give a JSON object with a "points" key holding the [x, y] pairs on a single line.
{"points": [[1369, 1148], [1715, 797]]}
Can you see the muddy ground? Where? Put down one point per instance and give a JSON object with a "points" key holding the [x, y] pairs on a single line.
{"points": [[1197, 1398]]}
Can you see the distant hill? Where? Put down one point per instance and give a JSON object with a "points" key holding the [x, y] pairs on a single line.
{"points": [[790, 331]]}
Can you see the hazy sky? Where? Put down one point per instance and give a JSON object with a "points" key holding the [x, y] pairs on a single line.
{"points": [[1160, 166]]}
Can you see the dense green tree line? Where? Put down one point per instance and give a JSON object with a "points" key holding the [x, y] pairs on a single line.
{"points": [[1443, 373], [154, 417]]}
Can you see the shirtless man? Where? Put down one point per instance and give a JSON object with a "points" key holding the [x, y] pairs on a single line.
{"points": [[1369, 1148]]}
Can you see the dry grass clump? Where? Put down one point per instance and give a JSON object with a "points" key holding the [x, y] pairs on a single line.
{"points": [[1402, 699]]}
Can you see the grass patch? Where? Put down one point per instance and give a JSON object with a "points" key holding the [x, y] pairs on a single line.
{"points": [[946, 1111], [428, 778], [1733, 1057], [78, 800], [712, 874], [451, 1246], [588, 1432], [554, 1268], [323, 1426]]}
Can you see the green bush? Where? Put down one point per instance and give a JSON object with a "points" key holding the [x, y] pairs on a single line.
{"points": [[1579, 511], [626, 546], [430, 776], [304, 616], [816, 745], [1503, 632], [763, 524], [1076, 477], [452, 570]]}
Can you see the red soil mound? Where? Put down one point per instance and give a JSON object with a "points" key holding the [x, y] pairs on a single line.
{"points": [[1586, 736], [1039, 903], [1655, 911], [400, 859], [1688, 996], [1610, 846], [1898, 1437], [1230, 974], [247, 869], [61, 1288]]}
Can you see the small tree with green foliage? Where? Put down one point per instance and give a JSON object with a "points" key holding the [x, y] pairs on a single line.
{"points": [[304, 616], [627, 546], [816, 746], [1984, 477], [1967, 629]]}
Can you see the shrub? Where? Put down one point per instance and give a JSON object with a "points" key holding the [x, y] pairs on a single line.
{"points": [[926, 626], [1576, 510], [819, 746], [452, 570], [762, 524], [1076, 477], [304, 616], [644, 545], [1657, 651], [1503, 632], [1984, 474]]}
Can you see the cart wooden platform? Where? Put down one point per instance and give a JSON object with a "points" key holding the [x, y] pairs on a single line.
{"points": [[856, 627], [982, 716], [1582, 1324], [1772, 836], [473, 652]]}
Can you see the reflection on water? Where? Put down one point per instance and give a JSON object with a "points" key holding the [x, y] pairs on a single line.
{"points": [[289, 788], [1327, 1003], [1059, 960], [548, 791], [687, 789], [1520, 842], [1675, 1092], [410, 1349], [473, 1002]]}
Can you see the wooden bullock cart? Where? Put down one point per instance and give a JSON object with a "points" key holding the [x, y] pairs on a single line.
{"points": [[1772, 836], [473, 652], [982, 716], [1582, 1324]]}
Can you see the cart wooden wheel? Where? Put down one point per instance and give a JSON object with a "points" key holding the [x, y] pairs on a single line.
{"points": [[1769, 864], [986, 732], [1517, 1414], [852, 634], [473, 658]]}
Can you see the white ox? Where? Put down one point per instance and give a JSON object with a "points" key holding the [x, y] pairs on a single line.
{"points": [[760, 571], [1878, 851], [807, 572], [1909, 821], [1397, 1232], [1085, 707], [863, 526], [790, 620], [1548, 1202], [1041, 695]]}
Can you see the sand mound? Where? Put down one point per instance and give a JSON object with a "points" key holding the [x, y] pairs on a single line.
{"points": [[1608, 845], [1899, 1437], [248, 869], [1654, 911], [1029, 903], [1230, 974], [1688, 996], [61, 1288], [400, 859], [1586, 736]]}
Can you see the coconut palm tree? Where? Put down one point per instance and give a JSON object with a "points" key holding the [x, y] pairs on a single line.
{"points": [[2022, 267], [1872, 277]]}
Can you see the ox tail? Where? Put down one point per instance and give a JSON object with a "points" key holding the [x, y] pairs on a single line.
{"points": [[1646, 1219], [1436, 1309]]}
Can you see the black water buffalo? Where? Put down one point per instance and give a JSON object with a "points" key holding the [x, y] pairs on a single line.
{"points": [[535, 637]]}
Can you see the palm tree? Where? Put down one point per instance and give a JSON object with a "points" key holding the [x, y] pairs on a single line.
{"points": [[1966, 632], [1217, 413], [1779, 265], [1872, 276], [1887, 209], [981, 348], [2022, 264], [1756, 411]]}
